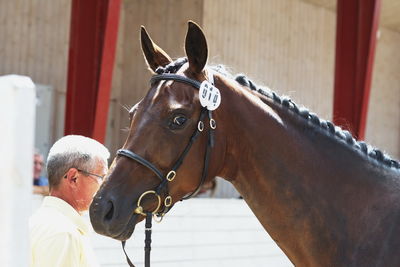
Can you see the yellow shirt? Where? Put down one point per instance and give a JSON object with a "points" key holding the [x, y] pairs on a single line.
{"points": [[59, 236]]}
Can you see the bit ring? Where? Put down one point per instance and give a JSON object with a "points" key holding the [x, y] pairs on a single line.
{"points": [[139, 209]]}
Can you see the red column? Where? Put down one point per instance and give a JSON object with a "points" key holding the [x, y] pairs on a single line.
{"points": [[93, 38], [357, 25]]}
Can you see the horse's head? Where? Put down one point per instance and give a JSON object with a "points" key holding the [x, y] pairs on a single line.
{"points": [[170, 133]]}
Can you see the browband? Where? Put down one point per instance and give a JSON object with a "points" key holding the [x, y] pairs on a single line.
{"points": [[175, 77]]}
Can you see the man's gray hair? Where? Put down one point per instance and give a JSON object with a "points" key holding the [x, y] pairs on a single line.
{"points": [[74, 151]]}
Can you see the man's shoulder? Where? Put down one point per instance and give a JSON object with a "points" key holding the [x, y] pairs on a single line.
{"points": [[46, 222]]}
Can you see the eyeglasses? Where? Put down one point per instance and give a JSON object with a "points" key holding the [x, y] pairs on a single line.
{"points": [[99, 178]]}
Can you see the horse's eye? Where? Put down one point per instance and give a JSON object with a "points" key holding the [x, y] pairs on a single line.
{"points": [[179, 120]]}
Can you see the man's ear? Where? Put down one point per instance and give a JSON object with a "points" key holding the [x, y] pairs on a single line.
{"points": [[71, 176]]}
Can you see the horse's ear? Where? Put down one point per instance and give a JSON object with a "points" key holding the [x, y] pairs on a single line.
{"points": [[196, 47], [154, 55]]}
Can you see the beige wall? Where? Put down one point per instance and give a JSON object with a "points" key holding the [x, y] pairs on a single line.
{"points": [[34, 38], [288, 45], [383, 123]]}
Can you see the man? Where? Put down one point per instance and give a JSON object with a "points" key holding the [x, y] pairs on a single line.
{"points": [[76, 166], [40, 183]]}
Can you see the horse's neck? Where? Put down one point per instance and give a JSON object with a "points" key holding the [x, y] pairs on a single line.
{"points": [[298, 184]]}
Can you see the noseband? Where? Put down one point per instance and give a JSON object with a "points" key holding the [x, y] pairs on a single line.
{"points": [[170, 176]]}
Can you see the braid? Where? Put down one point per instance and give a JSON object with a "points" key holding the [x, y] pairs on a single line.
{"points": [[172, 67], [327, 126]]}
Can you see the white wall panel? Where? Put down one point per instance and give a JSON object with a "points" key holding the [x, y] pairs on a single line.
{"points": [[197, 233]]}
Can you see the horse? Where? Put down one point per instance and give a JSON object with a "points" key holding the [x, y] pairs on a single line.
{"points": [[325, 198]]}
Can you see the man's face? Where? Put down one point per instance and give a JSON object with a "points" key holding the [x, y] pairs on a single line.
{"points": [[38, 164], [89, 183]]}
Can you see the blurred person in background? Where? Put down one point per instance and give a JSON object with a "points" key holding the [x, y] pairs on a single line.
{"points": [[40, 183], [58, 233]]}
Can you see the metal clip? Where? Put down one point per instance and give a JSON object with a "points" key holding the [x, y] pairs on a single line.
{"points": [[158, 219]]}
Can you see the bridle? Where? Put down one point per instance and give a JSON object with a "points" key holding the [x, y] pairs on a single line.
{"points": [[170, 176]]}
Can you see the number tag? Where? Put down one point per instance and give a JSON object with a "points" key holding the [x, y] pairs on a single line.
{"points": [[209, 95]]}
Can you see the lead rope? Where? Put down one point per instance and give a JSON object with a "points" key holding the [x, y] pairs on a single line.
{"points": [[126, 255], [147, 243]]}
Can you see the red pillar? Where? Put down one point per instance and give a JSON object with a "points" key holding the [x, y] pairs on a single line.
{"points": [[93, 38], [357, 25]]}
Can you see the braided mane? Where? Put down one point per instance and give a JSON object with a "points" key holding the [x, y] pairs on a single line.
{"points": [[326, 126]]}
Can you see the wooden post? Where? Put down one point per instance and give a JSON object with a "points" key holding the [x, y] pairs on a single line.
{"points": [[93, 38], [357, 25]]}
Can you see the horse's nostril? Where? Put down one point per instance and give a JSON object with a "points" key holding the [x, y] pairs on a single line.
{"points": [[110, 213]]}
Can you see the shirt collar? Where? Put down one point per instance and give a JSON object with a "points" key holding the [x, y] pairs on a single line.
{"points": [[68, 211]]}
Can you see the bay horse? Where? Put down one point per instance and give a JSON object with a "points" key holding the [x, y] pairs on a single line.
{"points": [[325, 198]]}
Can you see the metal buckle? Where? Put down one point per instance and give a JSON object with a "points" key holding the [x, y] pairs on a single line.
{"points": [[200, 126], [168, 201], [213, 124], [139, 209], [171, 175]]}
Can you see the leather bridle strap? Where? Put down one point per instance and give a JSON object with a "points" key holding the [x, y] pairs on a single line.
{"points": [[178, 163], [210, 144], [123, 243], [175, 77], [147, 243], [136, 157], [193, 138]]}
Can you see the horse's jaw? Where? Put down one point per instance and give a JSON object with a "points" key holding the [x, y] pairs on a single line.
{"points": [[127, 231]]}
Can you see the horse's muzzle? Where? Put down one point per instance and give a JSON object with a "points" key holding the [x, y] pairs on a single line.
{"points": [[107, 221]]}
